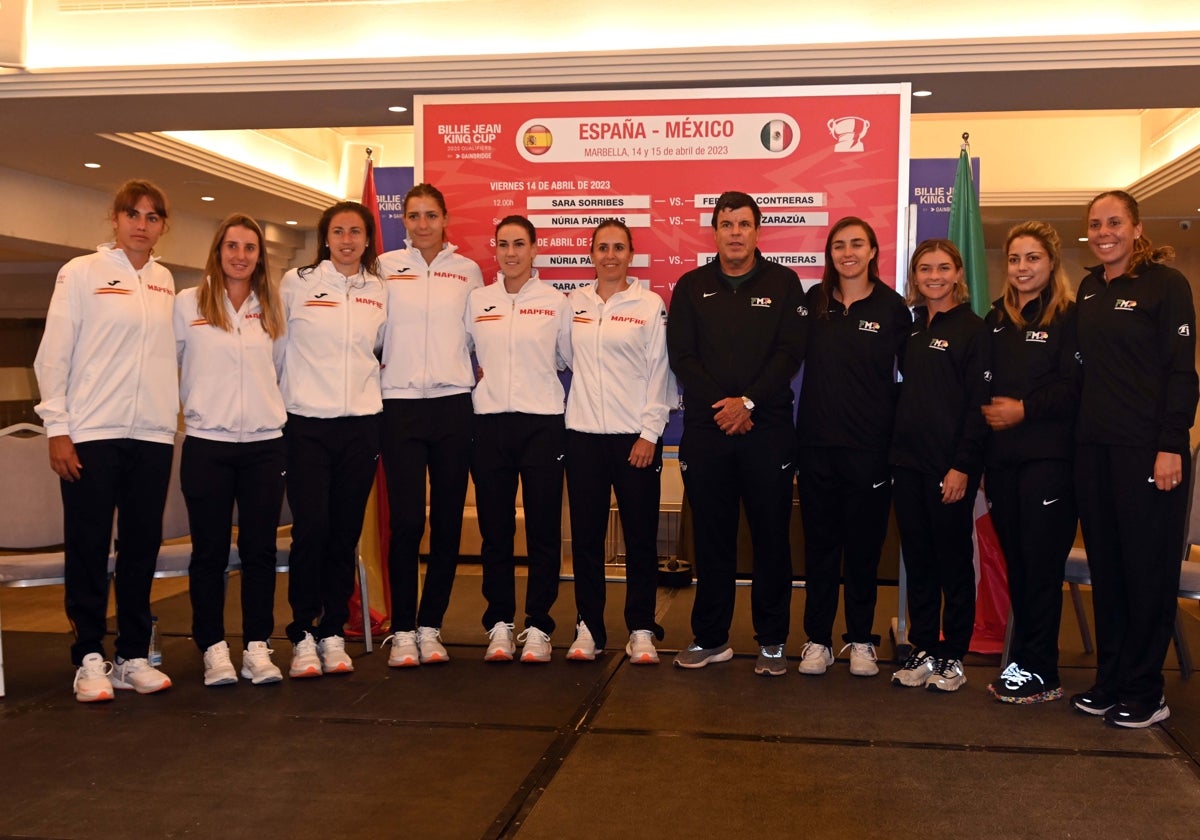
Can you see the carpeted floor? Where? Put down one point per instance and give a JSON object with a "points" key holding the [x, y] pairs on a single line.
{"points": [[575, 750]]}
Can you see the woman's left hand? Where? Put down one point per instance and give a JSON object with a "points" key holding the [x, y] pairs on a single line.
{"points": [[954, 487], [1003, 412], [1168, 470], [642, 453]]}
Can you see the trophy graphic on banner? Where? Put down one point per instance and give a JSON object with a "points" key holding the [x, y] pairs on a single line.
{"points": [[849, 133]]}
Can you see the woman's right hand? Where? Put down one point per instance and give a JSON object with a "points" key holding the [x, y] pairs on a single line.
{"points": [[63, 459]]}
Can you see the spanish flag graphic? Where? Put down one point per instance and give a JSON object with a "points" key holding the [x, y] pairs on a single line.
{"points": [[537, 140]]}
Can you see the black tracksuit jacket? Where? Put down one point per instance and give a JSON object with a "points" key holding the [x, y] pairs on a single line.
{"points": [[938, 422], [1038, 364], [726, 342]]}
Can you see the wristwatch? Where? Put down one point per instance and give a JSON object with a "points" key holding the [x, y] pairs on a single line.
{"points": [[748, 403]]}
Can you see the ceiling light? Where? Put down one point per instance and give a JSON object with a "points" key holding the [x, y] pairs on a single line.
{"points": [[922, 93], [92, 165], [291, 222], [1083, 239], [397, 109], [207, 198]]}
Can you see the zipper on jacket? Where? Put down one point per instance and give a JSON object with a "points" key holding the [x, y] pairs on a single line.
{"points": [[346, 355], [512, 361], [137, 393], [428, 296], [600, 363]]}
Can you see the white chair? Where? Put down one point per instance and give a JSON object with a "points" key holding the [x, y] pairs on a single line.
{"points": [[1078, 573], [31, 514]]}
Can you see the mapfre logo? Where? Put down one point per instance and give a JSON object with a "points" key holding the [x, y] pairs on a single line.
{"points": [[378, 304]]}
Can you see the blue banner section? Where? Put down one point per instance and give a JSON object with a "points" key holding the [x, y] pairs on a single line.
{"points": [[391, 185], [931, 183]]}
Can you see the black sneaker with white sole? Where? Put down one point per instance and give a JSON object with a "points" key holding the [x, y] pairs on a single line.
{"points": [[1016, 685], [1137, 715], [1094, 701]]}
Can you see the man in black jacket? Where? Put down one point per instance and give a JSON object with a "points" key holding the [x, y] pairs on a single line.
{"points": [[736, 335]]}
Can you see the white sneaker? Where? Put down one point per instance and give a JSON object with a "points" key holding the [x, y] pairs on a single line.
{"points": [[537, 645], [305, 662], [334, 659], [916, 670], [501, 647], [862, 659], [138, 675], [218, 670], [583, 649], [257, 665], [429, 641], [947, 675], [91, 680], [404, 649], [814, 659], [640, 649]]}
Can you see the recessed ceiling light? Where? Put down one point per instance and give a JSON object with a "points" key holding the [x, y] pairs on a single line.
{"points": [[922, 93], [397, 109], [207, 198], [291, 222], [92, 165]]}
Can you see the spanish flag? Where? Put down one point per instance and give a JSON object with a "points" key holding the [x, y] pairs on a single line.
{"points": [[537, 140]]}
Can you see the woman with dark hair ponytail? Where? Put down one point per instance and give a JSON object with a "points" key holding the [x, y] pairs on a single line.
{"points": [[336, 314], [110, 401], [427, 419], [843, 430], [520, 329], [1132, 467], [621, 394]]}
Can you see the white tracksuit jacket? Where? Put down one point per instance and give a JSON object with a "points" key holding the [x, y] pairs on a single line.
{"points": [[521, 343], [229, 379], [335, 328], [106, 364], [621, 380], [425, 346]]}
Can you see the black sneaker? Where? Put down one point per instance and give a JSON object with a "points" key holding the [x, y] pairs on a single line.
{"points": [[1093, 701], [1135, 715], [1016, 685]]}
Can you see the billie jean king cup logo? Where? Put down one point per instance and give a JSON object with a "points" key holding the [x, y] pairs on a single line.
{"points": [[849, 133]]}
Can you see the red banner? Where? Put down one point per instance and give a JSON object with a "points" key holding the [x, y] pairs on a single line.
{"points": [[658, 160]]}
